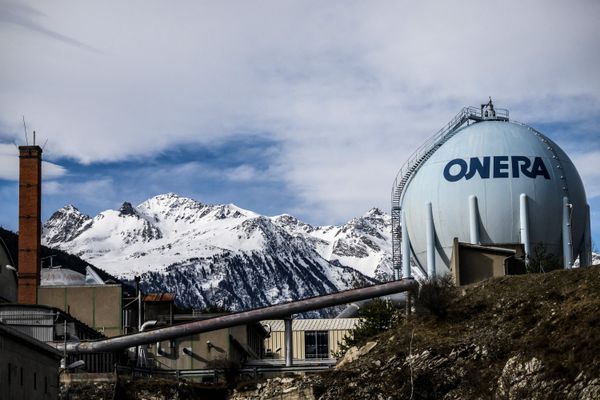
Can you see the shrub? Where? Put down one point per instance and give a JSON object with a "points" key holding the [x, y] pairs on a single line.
{"points": [[436, 294], [376, 317], [542, 261]]}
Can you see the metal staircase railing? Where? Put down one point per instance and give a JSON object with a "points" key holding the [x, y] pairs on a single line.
{"points": [[416, 160]]}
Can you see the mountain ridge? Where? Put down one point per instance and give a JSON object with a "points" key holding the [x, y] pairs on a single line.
{"points": [[224, 254]]}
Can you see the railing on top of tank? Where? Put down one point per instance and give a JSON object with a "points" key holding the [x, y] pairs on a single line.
{"points": [[465, 114], [421, 150]]}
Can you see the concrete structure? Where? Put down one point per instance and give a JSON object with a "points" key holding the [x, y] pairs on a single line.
{"points": [[8, 276], [235, 345], [30, 226], [313, 339], [29, 368], [472, 263], [485, 180], [98, 306]]}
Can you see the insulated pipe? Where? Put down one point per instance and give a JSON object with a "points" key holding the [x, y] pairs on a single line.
{"points": [[473, 220], [566, 234], [524, 225], [240, 318], [289, 342], [141, 352], [351, 310], [430, 232], [406, 271], [397, 299]]}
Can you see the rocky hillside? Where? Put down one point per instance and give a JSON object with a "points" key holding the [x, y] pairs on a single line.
{"points": [[533, 336], [222, 254]]}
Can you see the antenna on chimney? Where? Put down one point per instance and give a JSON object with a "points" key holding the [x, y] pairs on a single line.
{"points": [[25, 128], [34, 138]]}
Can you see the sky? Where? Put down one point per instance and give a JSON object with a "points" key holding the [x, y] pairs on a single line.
{"points": [[300, 107]]}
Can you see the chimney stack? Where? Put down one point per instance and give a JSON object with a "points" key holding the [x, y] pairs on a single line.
{"points": [[30, 223]]}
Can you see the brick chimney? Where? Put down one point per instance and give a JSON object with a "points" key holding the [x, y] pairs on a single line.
{"points": [[30, 223]]}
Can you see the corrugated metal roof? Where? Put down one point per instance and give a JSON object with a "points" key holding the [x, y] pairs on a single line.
{"points": [[159, 297], [323, 324], [30, 341]]}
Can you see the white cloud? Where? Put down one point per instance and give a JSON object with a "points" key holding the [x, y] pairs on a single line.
{"points": [[349, 89], [587, 166], [9, 165]]}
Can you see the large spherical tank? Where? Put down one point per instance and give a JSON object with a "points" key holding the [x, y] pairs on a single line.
{"points": [[496, 161]]}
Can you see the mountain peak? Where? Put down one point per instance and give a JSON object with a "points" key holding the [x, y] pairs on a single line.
{"points": [[64, 225], [374, 212], [127, 209]]}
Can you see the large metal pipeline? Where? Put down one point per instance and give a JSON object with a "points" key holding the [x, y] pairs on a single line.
{"points": [[239, 318]]}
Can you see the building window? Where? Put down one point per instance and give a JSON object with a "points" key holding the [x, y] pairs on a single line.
{"points": [[21, 376], [9, 372], [35, 381], [316, 344], [45, 384]]}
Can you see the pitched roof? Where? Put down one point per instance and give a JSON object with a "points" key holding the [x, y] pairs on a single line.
{"points": [[321, 324], [159, 297]]}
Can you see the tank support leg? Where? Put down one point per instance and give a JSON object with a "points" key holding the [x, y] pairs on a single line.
{"points": [[524, 225], [406, 272], [430, 232], [473, 220], [566, 234], [586, 253]]}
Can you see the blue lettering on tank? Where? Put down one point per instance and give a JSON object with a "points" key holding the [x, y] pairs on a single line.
{"points": [[463, 170], [502, 166]]}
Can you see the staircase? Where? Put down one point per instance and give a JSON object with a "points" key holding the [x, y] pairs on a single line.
{"points": [[418, 158]]}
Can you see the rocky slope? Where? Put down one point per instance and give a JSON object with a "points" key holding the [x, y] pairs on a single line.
{"points": [[533, 336], [224, 254]]}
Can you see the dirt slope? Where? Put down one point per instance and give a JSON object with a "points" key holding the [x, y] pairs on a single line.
{"points": [[533, 336]]}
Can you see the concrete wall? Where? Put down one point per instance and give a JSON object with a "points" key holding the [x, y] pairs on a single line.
{"points": [[474, 263], [174, 358], [26, 372], [98, 306], [221, 347]]}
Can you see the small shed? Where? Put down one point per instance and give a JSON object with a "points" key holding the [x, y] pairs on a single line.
{"points": [[313, 339]]}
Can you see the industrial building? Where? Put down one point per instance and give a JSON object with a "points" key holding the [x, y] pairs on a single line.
{"points": [[50, 325], [95, 303], [236, 345], [487, 183], [313, 339], [28, 367]]}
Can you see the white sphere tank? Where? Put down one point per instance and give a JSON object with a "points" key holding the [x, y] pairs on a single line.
{"points": [[496, 161]]}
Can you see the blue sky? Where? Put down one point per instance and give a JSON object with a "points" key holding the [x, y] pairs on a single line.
{"points": [[299, 107]]}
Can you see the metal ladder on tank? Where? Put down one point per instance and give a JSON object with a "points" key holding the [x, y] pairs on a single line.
{"points": [[414, 162]]}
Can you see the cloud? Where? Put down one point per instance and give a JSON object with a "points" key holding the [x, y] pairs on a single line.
{"points": [[348, 89], [9, 165], [587, 166], [25, 16]]}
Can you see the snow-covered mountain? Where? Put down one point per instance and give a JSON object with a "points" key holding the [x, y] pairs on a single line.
{"points": [[224, 254], [364, 243]]}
